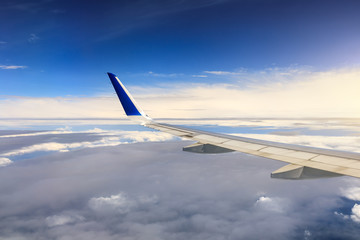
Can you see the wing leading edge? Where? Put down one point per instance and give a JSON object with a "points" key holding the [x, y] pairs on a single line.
{"points": [[303, 162]]}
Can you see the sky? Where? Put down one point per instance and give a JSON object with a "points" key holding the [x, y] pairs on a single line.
{"points": [[72, 166], [55, 52]]}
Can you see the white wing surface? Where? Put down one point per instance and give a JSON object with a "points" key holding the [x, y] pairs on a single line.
{"points": [[303, 162]]}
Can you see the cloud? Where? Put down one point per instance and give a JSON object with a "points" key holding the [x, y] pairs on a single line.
{"points": [[352, 193], [355, 213], [3, 42], [4, 161], [199, 76], [33, 38], [354, 216], [344, 143], [130, 15], [107, 138], [154, 190], [7, 67], [35, 134], [63, 219], [307, 235], [26, 6], [157, 191], [295, 93], [119, 203], [270, 204], [165, 74], [221, 72]]}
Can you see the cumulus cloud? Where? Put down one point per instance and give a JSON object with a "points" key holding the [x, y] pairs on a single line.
{"points": [[352, 193], [355, 213], [269, 204], [65, 218], [4, 161], [119, 203], [354, 216]]}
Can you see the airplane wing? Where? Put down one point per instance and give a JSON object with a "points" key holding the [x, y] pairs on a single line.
{"points": [[303, 162]]}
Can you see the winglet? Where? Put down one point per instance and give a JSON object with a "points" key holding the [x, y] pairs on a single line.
{"points": [[130, 107]]}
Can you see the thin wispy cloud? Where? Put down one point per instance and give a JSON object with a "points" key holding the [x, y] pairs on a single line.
{"points": [[164, 74], [63, 219], [33, 38], [344, 143], [221, 72], [12, 67], [105, 139], [145, 14], [199, 76]]}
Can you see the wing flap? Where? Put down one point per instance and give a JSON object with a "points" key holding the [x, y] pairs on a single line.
{"points": [[297, 172], [288, 153], [305, 162]]}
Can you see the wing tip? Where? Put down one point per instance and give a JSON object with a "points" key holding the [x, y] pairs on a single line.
{"points": [[111, 74]]}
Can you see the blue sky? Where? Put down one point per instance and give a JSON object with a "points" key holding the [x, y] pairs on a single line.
{"points": [[66, 47], [95, 174]]}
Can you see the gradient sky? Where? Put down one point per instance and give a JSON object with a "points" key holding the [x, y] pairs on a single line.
{"points": [[207, 60], [54, 48]]}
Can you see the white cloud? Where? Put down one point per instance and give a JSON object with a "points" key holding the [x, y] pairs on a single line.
{"points": [[220, 72], [269, 204], [3, 42], [200, 76], [63, 219], [355, 213], [345, 217], [291, 92], [35, 134], [352, 193], [32, 107], [114, 138], [12, 67], [124, 193], [119, 203], [4, 161], [344, 143], [164, 74]]}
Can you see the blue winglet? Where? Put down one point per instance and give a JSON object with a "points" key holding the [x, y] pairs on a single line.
{"points": [[124, 97]]}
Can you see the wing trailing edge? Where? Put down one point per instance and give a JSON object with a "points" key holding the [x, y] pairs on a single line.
{"points": [[303, 162]]}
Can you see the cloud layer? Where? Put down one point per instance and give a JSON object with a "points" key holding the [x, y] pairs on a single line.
{"points": [[156, 191], [277, 92], [93, 185]]}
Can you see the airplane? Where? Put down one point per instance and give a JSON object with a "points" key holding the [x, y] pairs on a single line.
{"points": [[303, 162]]}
